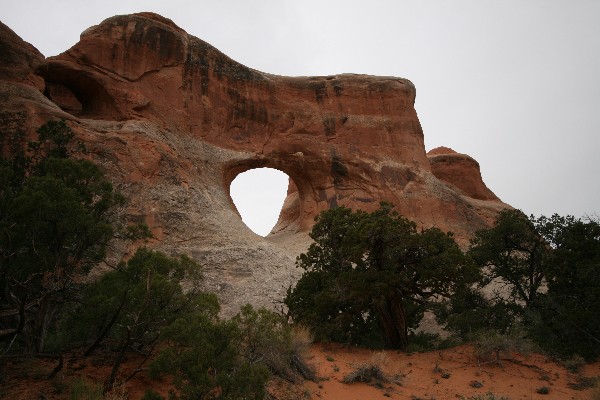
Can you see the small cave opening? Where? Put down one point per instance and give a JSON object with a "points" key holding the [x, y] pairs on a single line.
{"points": [[259, 195], [78, 93]]}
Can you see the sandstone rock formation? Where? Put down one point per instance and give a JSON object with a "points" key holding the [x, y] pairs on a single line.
{"points": [[174, 121], [459, 170]]}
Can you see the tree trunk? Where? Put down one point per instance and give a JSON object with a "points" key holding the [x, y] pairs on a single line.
{"points": [[392, 318], [113, 374], [107, 328]]}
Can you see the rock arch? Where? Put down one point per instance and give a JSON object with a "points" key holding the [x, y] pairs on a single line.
{"points": [[292, 209], [173, 121]]}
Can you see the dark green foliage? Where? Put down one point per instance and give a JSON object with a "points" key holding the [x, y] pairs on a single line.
{"points": [[469, 311], [267, 339], [492, 346], [234, 358], [368, 277], [144, 293], [130, 307], [514, 252], [568, 313], [55, 223], [551, 268], [203, 357]]}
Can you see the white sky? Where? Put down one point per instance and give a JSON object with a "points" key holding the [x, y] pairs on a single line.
{"points": [[258, 195], [513, 83]]}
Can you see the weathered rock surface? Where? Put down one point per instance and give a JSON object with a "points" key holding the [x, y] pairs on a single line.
{"points": [[174, 121], [459, 170]]}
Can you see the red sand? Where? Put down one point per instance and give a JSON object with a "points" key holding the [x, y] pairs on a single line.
{"points": [[444, 374], [439, 375]]}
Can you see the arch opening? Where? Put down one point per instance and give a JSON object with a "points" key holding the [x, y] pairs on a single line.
{"points": [[259, 195]]}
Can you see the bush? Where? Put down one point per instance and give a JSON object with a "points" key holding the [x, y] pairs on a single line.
{"points": [[55, 223], [543, 390], [366, 373], [491, 346], [203, 355], [267, 339], [368, 276], [574, 364], [550, 268], [134, 303], [424, 341], [371, 372], [302, 338], [487, 396]]}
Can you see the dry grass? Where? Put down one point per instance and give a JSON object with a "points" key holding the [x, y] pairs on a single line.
{"points": [[492, 347], [302, 339], [371, 372]]}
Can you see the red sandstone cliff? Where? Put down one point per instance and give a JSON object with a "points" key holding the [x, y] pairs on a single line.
{"points": [[174, 121]]}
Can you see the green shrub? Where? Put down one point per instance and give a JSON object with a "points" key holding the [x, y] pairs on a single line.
{"points": [[267, 339], [203, 354], [364, 272], [543, 390], [584, 382], [366, 373], [491, 346], [371, 372], [574, 364]]}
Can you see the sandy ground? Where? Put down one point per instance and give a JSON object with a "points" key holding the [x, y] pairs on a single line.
{"points": [[445, 374]]}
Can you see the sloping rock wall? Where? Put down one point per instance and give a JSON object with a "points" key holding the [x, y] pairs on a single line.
{"points": [[174, 121]]}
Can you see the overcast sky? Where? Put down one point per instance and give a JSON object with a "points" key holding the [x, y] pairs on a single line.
{"points": [[513, 83]]}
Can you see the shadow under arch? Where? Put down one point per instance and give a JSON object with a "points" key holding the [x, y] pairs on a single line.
{"points": [[79, 93]]}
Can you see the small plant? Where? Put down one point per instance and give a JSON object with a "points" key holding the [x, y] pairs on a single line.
{"points": [[584, 382], [543, 390], [545, 377], [574, 364], [487, 396], [366, 373], [491, 346], [372, 373], [476, 384], [330, 359], [446, 375], [302, 338]]}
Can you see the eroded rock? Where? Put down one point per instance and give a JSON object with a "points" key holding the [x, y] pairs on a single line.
{"points": [[174, 121]]}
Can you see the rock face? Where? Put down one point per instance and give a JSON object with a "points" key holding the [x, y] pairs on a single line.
{"points": [[174, 121], [459, 170]]}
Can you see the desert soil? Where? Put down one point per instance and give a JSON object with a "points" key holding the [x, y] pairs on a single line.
{"points": [[453, 373]]}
